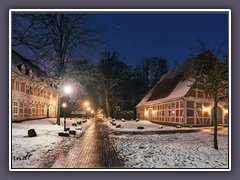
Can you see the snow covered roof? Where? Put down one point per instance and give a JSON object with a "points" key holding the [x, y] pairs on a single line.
{"points": [[170, 86], [173, 84], [18, 60]]}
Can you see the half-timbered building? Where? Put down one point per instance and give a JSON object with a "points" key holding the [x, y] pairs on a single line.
{"points": [[31, 97], [173, 100]]}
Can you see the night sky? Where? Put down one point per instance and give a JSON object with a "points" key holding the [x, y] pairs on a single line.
{"points": [[137, 36], [167, 35]]}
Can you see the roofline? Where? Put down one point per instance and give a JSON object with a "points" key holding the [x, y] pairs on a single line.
{"points": [[38, 81], [153, 88], [159, 101], [29, 61]]}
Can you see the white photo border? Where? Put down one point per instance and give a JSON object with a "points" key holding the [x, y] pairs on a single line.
{"points": [[120, 11]]}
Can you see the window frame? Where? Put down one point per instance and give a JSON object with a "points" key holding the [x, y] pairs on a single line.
{"points": [[15, 107], [199, 107]]}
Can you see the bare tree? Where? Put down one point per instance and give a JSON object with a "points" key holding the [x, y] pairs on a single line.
{"points": [[54, 39], [145, 76], [150, 70], [210, 73], [112, 71]]}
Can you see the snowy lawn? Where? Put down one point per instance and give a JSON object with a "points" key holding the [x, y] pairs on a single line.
{"points": [[191, 150], [131, 126], [40, 151]]}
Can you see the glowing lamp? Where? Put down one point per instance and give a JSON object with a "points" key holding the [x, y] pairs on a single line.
{"points": [[67, 89], [64, 105], [86, 104], [206, 109], [146, 112], [225, 111]]}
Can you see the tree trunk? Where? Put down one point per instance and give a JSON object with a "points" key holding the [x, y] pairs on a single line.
{"points": [[59, 101], [215, 126], [58, 109], [107, 102]]}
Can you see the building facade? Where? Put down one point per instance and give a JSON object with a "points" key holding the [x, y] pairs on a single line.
{"points": [[173, 101], [31, 97]]}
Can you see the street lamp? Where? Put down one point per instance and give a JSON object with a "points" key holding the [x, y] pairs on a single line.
{"points": [[86, 103], [67, 89], [64, 105]]}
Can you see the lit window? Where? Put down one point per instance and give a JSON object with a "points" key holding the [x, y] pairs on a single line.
{"points": [[172, 109], [15, 107]]}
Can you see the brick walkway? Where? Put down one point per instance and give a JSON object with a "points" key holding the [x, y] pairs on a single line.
{"points": [[92, 150]]}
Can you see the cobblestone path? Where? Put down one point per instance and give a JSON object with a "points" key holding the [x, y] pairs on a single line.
{"points": [[93, 149]]}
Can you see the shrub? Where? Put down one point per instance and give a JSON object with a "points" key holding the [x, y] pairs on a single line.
{"points": [[118, 126], [73, 132], [124, 115], [63, 134], [74, 124]]}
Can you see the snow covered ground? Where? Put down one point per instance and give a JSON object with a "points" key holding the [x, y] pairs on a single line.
{"points": [[40, 151], [131, 126], [191, 150]]}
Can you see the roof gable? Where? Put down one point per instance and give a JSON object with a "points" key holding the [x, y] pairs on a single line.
{"points": [[18, 60], [170, 86], [166, 85], [173, 84]]}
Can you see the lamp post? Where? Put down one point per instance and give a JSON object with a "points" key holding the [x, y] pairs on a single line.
{"points": [[92, 112], [86, 104], [88, 109], [64, 105], [66, 90]]}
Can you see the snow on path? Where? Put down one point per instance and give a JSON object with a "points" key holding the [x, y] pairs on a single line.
{"points": [[192, 150], [37, 152]]}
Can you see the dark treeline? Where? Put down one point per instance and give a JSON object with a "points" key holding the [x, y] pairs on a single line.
{"points": [[113, 85]]}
